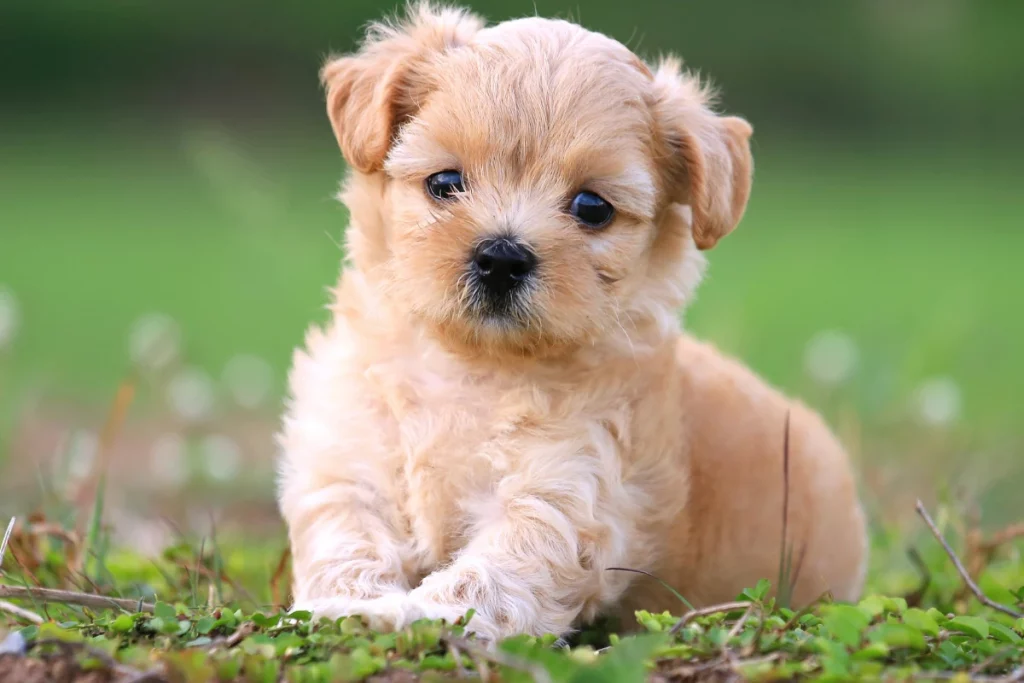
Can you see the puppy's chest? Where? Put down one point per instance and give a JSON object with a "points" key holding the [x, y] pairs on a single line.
{"points": [[450, 426], [455, 436]]}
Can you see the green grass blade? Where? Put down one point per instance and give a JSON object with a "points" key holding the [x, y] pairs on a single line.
{"points": [[668, 587], [95, 547]]}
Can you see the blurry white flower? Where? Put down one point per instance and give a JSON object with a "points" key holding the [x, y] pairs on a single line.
{"points": [[154, 341], [8, 316], [831, 357], [82, 453], [168, 460], [191, 395], [249, 378], [939, 401], [221, 456]]}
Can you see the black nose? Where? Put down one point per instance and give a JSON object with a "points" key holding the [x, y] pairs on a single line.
{"points": [[502, 264]]}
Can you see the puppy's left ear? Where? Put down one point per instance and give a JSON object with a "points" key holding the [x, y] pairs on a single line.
{"points": [[372, 92], [710, 166]]}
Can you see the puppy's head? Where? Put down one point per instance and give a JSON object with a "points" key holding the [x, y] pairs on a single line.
{"points": [[523, 188]]}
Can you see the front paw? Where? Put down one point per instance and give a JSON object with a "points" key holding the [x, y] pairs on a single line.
{"points": [[478, 624]]}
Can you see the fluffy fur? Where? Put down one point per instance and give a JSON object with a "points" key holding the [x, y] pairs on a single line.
{"points": [[435, 459]]}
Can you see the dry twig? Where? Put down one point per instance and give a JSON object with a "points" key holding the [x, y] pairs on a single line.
{"points": [[20, 612], [1002, 537], [278, 576], [73, 598], [228, 642], [978, 593], [7, 538], [784, 546], [240, 634], [719, 667], [982, 550], [979, 551], [738, 626], [707, 611]]}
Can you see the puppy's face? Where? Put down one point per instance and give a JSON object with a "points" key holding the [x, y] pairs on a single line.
{"points": [[517, 188]]}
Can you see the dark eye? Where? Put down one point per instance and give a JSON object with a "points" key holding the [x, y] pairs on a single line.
{"points": [[445, 185], [591, 210]]}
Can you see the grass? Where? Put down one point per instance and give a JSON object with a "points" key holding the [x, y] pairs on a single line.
{"points": [[205, 611], [235, 236]]}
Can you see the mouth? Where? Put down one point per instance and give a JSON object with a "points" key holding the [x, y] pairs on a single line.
{"points": [[508, 309]]}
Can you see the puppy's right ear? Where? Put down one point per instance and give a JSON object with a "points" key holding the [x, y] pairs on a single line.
{"points": [[372, 92]]}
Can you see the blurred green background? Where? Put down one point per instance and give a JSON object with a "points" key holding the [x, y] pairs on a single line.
{"points": [[166, 213]]}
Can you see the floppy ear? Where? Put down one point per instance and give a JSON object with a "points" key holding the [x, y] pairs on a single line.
{"points": [[372, 92], [710, 165]]}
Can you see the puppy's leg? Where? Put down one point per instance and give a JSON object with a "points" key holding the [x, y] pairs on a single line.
{"points": [[346, 550], [539, 560]]}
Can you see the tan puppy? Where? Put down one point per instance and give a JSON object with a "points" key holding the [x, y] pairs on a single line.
{"points": [[503, 406]]}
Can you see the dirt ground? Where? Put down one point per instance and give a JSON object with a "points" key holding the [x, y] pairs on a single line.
{"points": [[56, 669]]}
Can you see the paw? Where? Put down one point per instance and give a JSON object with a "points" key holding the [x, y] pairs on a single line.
{"points": [[479, 625]]}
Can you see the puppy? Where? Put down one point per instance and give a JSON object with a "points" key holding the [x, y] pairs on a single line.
{"points": [[503, 408]]}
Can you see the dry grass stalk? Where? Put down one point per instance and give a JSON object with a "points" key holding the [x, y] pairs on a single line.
{"points": [[968, 581], [73, 598], [708, 611], [279, 596], [981, 551], [6, 540], [20, 612], [85, 494]]}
